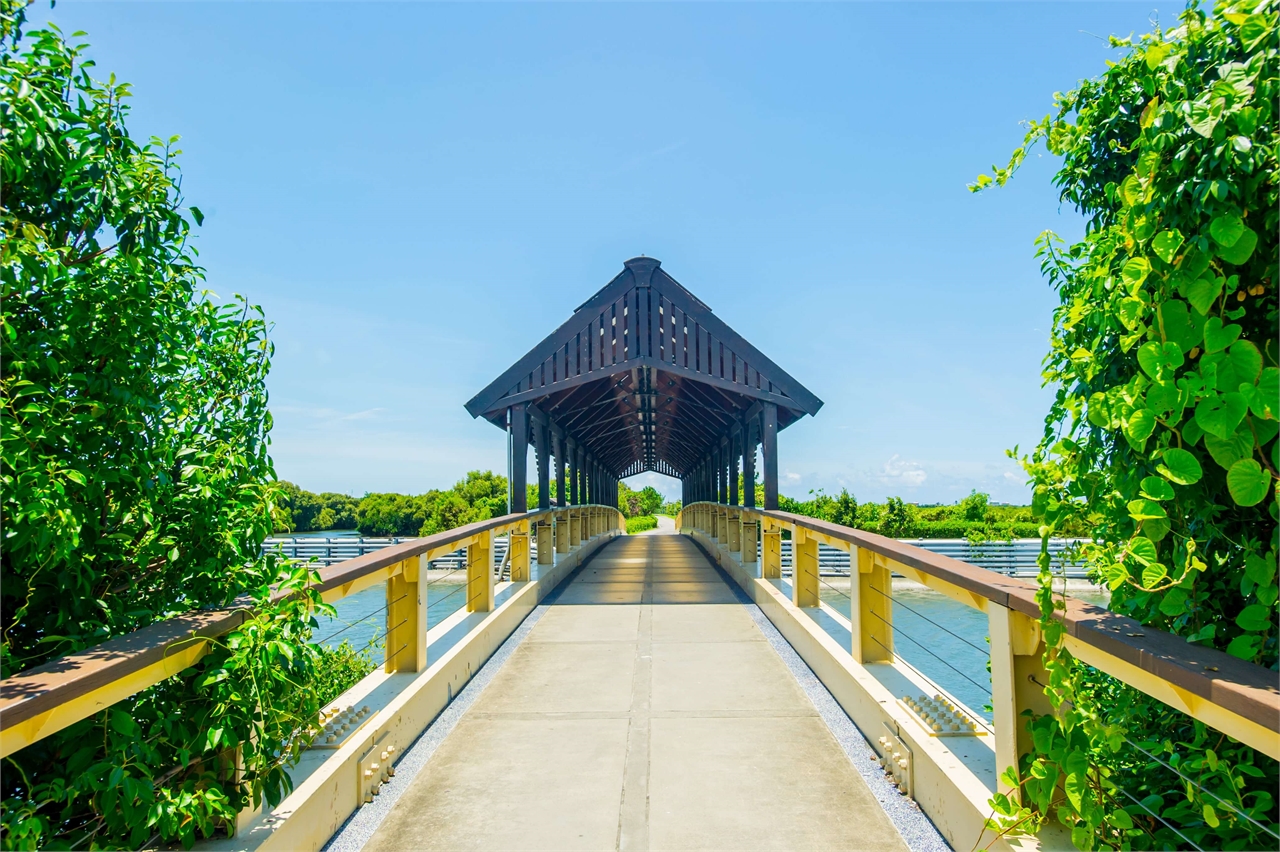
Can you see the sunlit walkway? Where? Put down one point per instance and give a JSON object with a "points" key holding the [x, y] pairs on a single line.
{"points": [[645, 710]]}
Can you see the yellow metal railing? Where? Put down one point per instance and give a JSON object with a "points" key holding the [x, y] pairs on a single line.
{"points": [[45, 699]]}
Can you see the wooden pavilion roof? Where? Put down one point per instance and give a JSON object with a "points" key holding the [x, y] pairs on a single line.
{"points": [[645, 377]]}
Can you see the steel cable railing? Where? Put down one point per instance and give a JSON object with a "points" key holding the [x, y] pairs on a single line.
{"points": [[360, 620], [1226, 804]]}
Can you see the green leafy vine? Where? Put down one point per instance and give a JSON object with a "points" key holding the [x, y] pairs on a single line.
{"points": [[1161, 439]]}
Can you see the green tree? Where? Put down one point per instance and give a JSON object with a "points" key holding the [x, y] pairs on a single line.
{"points": [[134, 476], [975, 506], [1161, 440]]}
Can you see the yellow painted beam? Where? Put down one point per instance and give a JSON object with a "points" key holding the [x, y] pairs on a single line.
{"points": [[1265, 740]]}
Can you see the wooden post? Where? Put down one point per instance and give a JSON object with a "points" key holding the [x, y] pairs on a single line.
{"points": [[562, 498], [542, 449], [480, 574], [573, 472], [722, 525], [580, 476], [804, 568], [575, 527], [749, 463], [771, 552], [546, 548], [769, 449], [406, 641], [735, 530], [519, 419], [734, 442], [1016, 650], [870, 608], [519, 544]]}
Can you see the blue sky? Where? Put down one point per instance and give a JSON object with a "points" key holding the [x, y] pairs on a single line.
{"points": [[417, 193]]}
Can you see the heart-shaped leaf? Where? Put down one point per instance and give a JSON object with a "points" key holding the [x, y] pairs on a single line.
{"points": [[1155, 488], [1242, 250], [1247, 361], [1155, 528], [1194, 262], [1255, 618], [1261, 571], [1141, 510], [1130, 311], [1254, 29], [1217, 337], [1203, 292], [1226, 229], [1149, 358], [1203, 117], [1245, 647], [1180, 326], [1143, 550], [1135, 271], [1227, 451], [1221, 413], [1163, 397], [1267, 399], [1139, 427], [1180, 467], [1248, 482], [1153, 574], [1166, 245]]}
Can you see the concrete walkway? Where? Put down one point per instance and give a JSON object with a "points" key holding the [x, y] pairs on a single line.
{"points": [[644, 711]]}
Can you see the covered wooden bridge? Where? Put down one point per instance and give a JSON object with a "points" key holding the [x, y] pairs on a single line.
{"points": [[644, 377], [703, 687]]}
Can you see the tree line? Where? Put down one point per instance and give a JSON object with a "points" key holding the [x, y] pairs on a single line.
{"points": [[483, 494]]}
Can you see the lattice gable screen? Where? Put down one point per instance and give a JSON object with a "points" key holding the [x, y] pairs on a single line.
{"points": [[642, 323]]}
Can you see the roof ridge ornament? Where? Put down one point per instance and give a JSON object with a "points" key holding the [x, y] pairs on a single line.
{"points": [[642, 269]]}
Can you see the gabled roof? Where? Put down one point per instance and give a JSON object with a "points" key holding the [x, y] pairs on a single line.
{"points": [[645, 334]]}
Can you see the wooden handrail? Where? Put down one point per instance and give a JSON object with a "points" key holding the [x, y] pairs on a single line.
{"points": [[1243, 688], [127, 664]]}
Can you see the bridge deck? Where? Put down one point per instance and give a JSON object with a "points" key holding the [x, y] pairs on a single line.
{"points": [[644, 710]]}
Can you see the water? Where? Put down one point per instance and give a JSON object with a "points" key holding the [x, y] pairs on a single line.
{"points": [[363, 615], [943, 639]]}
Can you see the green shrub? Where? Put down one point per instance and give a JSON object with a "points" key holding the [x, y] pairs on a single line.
{"points": [[642, 523], [134, 475], [338, 669]]}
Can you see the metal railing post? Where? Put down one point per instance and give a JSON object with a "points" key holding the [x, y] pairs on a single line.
{"points": [[519, 557], [870, 608], [405, 647], [480, 574], [750, 540], [1016, 665], [804, 568], [546, 548], [771, 552], [561, 532]]}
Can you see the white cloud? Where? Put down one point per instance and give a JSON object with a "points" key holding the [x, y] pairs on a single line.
{"points": [[791, 477], [897, 471]]}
